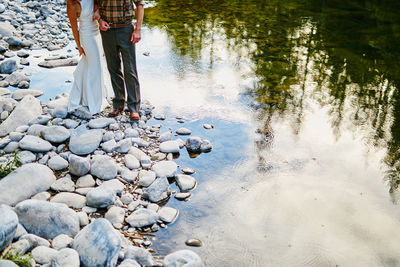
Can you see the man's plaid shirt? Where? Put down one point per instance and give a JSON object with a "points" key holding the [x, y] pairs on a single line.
{"points": [[118, 13]]}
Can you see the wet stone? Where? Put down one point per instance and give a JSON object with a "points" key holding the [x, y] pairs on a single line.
{"points": [[168, 214], [183, 131], [194, 242], [188, 171], [185, 182]]}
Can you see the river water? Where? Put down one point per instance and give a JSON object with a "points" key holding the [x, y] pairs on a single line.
{"points": [[304, 98]]}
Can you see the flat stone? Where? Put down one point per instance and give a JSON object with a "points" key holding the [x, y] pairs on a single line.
{"points": [[188, 257], [98, 244], [109, 146], [142, 217], [188, 171], [129, 176], [100, 197], [169, 147], [27, 180], [130, 132], [140, 255], [100, 123], [85, 181], [103, 167], [59, 63], [42, 196], [56, 134], [21, 93], [158, 191], [136, 152], [35, 240], [84, 141], [115, 215], [168, 214], [36, 130], [72, 200], [26, 110], [165, 168], [185, 182], [167, 136], [66, 257], [47, 219], [124, 145], [64, 184], [57, 163], [146, 178], [78, 166], [182, 196], [183, 131], [131, 162], [43, 255], [70, 124], [34, 144], [8, 226], [11, 147]]}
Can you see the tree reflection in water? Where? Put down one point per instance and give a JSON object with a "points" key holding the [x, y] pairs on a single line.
{"points": [[342, 55]]}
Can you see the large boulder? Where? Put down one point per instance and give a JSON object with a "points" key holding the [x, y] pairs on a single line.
{"points": [[25, 182], [84, 141], [28, 109], [8, 226], [98, 244], [46, 219]]}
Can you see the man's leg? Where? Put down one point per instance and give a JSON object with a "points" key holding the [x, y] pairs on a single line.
{"points": [[112, 53], [128, 52]]}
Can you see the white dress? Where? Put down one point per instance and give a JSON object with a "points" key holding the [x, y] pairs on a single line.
{"points": [[92, 84]]}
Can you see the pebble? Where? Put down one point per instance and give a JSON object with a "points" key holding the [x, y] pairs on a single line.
{"points": [[183, 131], [188, 171], [185, 182], [208, 126], [194, 242], [182, 196]]}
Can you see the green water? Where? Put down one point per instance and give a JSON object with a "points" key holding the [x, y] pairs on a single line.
{"points": [[304, 95]]}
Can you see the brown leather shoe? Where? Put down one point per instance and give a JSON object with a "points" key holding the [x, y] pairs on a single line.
{"points": [[134, 115], [115, 112]]}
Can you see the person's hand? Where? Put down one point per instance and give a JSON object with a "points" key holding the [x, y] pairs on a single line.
{"points": [[104, 26], [81, 51], [96, 15], [136, 36]]}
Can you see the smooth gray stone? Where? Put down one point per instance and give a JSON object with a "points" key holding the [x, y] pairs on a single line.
{"points": [[16, 136], [46, 219], [98, 244], [56, 134], [83, 191], [123, 146], [8, 226], [103, 167], [145, 161], [158, 191], [22, 246], [189, 257], [183, 131], [27, 180], [165, 168], [126, 198], [169, 147], [109, 146], [42, 119], [4, 142], [8, 66], [185, 182], [20, 232], [11, 147], [194, 242], [100, 197], [34, 144], [21, 93], [188, 171], [129, 176], [70, 124], [66, 257], [100, 122], [129, 263], [35, 240], [6, 29], [130, 132], [27, 109], [83, 218], [59, 63], [60, 112], [43, 255], [146, 178], [61, 241], [182, 196], [139, 142], [168, 214], [78, 166], [72, 200], [136, 152], [142, 217], [36, 129], [64, 184], [167, 136], [115, 215], [108, 136], [141, 255], [116, 185], [84, 141], [208, 126], [85, 181], [16, 78], [42, 196], [7, 263], [193, 144], [131, 161], [57, 163], [206, 146]]}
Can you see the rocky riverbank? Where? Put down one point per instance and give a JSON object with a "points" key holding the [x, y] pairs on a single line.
{"points": [[90, 189]]}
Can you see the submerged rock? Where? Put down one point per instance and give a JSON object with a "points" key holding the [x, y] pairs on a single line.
{"points": [[188, 257]]}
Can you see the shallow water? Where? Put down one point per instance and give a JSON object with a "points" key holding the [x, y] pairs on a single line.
{"points": [[304, 98]]}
